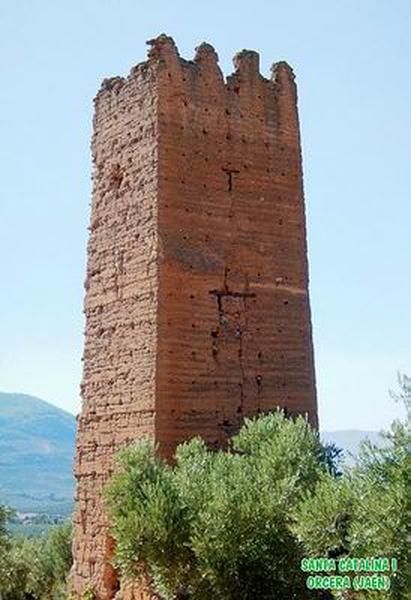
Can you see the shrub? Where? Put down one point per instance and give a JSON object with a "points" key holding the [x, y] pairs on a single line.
{"points": [[217, 524], [235, 524]]}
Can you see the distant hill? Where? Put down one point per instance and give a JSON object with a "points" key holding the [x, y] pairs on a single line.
{"points": [[36, 452], [350, 440], [37, 443]]}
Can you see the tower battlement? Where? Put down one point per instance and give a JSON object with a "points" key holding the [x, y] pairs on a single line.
{"points": [[197, 307], [164, 52]]}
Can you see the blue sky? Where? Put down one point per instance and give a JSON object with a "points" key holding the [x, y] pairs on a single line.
{"points": [[352, 61]]}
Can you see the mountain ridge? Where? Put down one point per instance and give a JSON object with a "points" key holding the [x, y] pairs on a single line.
{"points": [[36, 454], [37, 444]]}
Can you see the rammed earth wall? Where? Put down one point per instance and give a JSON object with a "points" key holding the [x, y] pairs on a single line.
{"points": [[197, 307]]}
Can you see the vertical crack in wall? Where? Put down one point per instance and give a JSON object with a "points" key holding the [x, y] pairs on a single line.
{"points": [[223, 330]]}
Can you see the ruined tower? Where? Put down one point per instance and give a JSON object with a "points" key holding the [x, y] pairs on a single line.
{"points": [[197, 308]]}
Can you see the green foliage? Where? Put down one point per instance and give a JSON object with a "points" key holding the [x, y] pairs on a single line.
{"points": [[57, 552], [363, 513], [321, 521], [88, 594], [5, 515], [36, 567], [217, 523], [379, 484], [235, 524], [23, 572]]}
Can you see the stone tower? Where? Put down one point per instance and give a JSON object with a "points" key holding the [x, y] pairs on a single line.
{"points": [[197, 307]]}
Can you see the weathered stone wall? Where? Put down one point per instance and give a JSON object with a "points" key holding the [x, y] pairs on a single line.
{"points": [[234, 319], [118, 387], [197, 309]]}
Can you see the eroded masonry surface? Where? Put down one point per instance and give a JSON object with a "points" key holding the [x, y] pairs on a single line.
{"points": [[197, 308]]}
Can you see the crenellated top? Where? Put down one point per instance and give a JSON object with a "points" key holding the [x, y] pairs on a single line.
{"points": [[205, 52], [163, 51], [282, 69], [283, 76], [166, 75], [247, 63]]}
